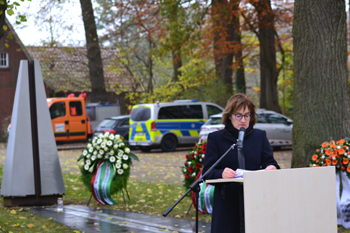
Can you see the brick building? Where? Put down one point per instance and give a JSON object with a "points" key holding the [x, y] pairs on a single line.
{"points": [[12, 51]]}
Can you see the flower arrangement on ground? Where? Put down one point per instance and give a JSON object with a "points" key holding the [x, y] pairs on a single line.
{"points": [[333, 153], [105, 166], [194, 163], [337, 153]]}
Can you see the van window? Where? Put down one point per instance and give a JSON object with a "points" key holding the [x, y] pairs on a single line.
{"points": [[171, 112], [212, 110], [181, 112], [191, 112], [75, 108], [57, 110], [140, 114]]}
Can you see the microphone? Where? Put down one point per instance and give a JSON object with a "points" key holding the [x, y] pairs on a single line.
{"points": [[240, 138]]}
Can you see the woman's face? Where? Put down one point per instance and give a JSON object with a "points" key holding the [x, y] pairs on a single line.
{"points": [[241, 118]]}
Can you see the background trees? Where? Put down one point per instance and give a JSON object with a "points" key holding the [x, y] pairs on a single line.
{"points": [[98, 89], [161, 43], [211, 49], [321, 90]]}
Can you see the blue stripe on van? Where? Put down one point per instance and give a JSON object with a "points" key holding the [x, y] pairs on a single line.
{"points": [[144, 128], [166, 126], [133, 132], [188, 125]]}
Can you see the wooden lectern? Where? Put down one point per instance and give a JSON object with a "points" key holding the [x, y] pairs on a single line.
{"points": [[289, 200]]}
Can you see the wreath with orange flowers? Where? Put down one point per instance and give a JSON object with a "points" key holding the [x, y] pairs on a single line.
{"points": [[194, 163], [333, 153]]}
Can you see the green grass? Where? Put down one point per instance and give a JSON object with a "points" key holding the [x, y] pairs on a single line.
{"points": [[145, 197]]}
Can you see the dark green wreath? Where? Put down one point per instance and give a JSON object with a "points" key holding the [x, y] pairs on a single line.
{"points": [[119, 182]]}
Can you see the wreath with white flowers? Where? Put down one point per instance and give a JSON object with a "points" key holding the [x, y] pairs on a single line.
{"points": [[111, 150]]}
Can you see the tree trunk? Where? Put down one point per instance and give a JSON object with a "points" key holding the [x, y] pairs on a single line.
{"points": [[150, 68], [98, 89], [3, 7], [223, 15], [215, 18], [268, 71], [321, 91], [177, 63], [239, 66]]}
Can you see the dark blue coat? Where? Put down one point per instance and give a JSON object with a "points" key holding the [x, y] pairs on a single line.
{"points": [[258, 155]]}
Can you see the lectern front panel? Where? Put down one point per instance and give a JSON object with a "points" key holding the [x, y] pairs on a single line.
{"points": [[291, 200]]}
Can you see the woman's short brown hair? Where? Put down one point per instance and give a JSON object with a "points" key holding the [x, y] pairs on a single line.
{"points": [[237, 102]]}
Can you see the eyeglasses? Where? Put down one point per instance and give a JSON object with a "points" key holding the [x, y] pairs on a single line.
{"points": [[240, 117]]}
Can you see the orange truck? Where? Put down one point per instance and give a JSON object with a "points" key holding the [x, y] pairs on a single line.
{"points": [[73, 120], [69, 119]]}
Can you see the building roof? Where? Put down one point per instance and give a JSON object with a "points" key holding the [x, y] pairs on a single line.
{"points": [[66, 68]]}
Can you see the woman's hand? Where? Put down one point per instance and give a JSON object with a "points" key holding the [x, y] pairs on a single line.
{"points": [[271, 167], [228, 173]]}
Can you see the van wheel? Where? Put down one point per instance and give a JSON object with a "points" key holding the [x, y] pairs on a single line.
{"points": [[169, 143], [145, 148]]}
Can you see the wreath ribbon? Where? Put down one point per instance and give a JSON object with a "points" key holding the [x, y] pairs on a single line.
{"points": [[206, 196], [101, 183]]}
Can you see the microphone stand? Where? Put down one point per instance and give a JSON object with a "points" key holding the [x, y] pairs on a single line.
{"points": [[241, 164], [196, 188]]}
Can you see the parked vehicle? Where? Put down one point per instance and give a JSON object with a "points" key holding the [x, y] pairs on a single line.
{"points": [[72, 120], [115, 125], [167, 125], [69, 119], [213, 124], [277, 126], [97, 112]]}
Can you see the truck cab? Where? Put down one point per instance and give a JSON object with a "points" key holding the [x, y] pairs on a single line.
{"points": [[69, 119]]}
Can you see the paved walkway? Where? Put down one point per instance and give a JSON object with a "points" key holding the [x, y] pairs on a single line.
{"points": [[89, 219]]}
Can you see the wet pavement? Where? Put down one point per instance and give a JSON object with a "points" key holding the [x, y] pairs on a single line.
{"points": [[153, 166], [90, 219]]}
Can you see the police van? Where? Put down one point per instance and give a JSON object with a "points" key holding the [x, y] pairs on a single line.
{"points": [[167, 125]]}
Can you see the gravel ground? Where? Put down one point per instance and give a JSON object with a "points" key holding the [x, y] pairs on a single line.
{"points": [[154, 166]]}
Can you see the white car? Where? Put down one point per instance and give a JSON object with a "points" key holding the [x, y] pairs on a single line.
{"points": [[277, 126]]}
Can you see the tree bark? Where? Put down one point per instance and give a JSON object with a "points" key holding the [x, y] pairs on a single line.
{"points": [[321, 91], [239, 66], [268, 71], [98, 89], [224, 30], [150, 68], [3, 7], [175, 32], [216, 18], [177, 63]]}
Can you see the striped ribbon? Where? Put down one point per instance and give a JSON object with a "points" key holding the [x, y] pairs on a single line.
{"points": [[206, 197], [101, 183]]}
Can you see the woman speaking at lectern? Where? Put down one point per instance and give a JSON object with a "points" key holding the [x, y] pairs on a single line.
{"points": [[239, 112]]}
